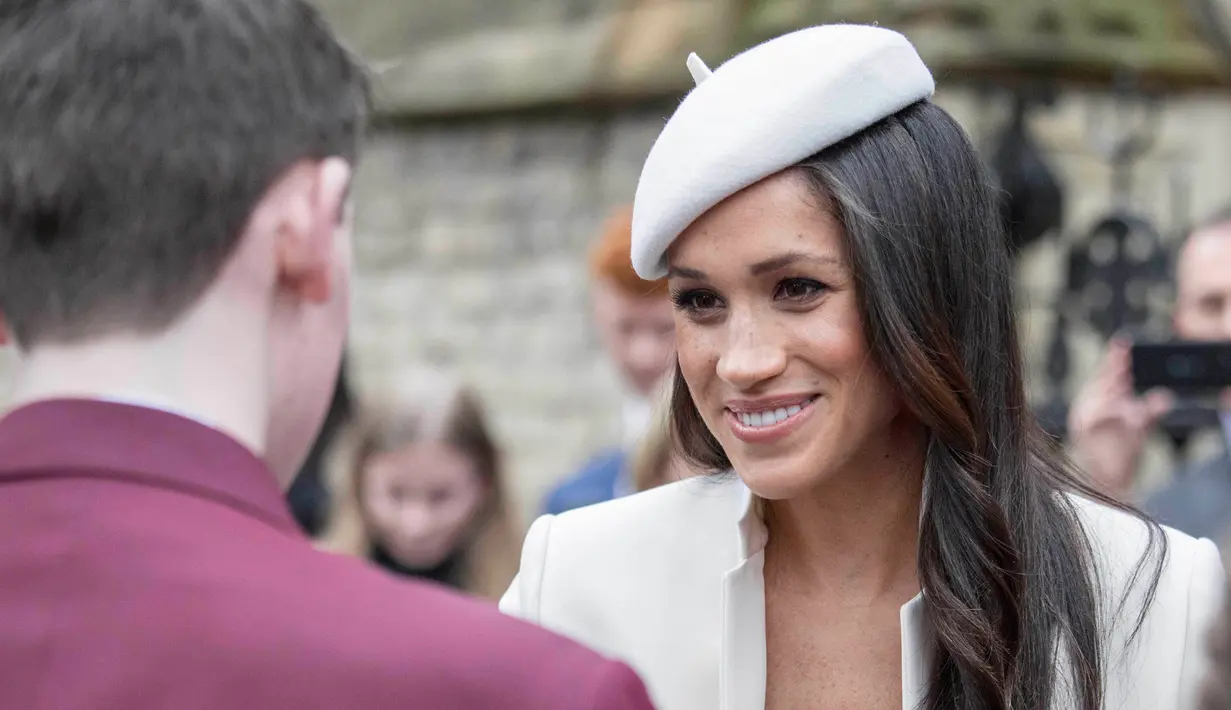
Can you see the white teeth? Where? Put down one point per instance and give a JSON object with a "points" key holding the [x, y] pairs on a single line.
{"points": [[770, 417]]}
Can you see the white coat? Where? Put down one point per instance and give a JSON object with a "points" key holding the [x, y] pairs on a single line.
{"points": [[670, 581]]}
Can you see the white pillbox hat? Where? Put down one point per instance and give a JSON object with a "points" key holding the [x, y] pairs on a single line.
{"points": [[761, 112]]}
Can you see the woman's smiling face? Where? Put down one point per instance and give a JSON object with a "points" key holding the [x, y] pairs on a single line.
{"points": [[770, 339]]}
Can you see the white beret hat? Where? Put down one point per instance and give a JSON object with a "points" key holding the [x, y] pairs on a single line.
{"points": [[761, 112]]}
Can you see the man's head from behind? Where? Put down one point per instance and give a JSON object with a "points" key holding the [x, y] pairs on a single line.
{"points": [[633, 316], [166, 162]]}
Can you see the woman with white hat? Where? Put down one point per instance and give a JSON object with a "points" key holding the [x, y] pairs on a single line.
{"points": [[886, 526]]}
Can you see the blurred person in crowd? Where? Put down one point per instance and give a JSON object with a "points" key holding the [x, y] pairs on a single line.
{"points": [[637, 331], [175, 267], [417, 487], [655, 461], [1109, 422], [308, 495], [886, 525]]}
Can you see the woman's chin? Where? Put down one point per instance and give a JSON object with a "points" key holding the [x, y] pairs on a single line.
{"points": [[777, 482]]}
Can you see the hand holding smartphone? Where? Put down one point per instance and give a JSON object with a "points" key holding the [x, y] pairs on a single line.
{"points": [[1186, 368]]}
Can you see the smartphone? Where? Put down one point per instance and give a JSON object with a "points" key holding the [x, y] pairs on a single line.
{"points": [[1182, 367]]}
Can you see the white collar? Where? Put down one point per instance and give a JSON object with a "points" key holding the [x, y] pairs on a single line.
{"points": [[918, 636], [158, 404], [753, 535]]}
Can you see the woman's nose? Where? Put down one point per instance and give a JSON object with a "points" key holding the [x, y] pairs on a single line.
{"points": [[751, 358]]}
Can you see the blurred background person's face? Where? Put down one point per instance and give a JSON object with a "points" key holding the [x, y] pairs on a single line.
{"points": [[634, 318], [1203, 288], [638, 333], [422, 501]]}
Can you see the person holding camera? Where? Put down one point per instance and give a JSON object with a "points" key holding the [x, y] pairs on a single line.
{"points": [[1109, 421]]}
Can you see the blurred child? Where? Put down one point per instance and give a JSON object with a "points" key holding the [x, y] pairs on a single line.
{"points": [[417, 488]]}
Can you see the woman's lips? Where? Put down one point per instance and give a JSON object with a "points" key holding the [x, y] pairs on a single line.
{"points": [[768, 425]]}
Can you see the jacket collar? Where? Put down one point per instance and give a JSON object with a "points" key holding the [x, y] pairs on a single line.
{"points": [[918, 636], [106, 439], [753, 535]]}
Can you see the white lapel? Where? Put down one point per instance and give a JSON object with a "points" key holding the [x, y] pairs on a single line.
{"points": [[741, 676], [918, 639], [918, 652]]}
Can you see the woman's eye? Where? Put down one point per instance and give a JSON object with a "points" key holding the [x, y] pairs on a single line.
{"points": [[704, 301], [799, 289], [695, 301]]}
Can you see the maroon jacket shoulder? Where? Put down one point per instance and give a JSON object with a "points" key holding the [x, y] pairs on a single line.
{"points": [[458, 651], [151, 563]]}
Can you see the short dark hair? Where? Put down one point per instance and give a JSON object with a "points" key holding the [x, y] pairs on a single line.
{"points": [[136, 138]]}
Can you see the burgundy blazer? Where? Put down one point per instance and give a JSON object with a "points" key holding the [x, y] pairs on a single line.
{"points": [[148, 561]]}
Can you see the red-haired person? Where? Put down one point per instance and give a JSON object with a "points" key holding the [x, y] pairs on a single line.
{"points": [[635, 323]]}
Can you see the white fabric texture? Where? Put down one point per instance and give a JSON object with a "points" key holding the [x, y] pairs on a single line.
{"points": [[671, 581], [762, 112]]}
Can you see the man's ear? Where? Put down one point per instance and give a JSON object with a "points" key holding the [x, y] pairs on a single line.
{"points": [[309, 225], [4, 331]]}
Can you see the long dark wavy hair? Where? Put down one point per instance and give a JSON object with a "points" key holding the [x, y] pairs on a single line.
{"points": [[1007, 569]]}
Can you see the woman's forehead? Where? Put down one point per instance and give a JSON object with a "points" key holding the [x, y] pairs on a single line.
{"points": [[778, 215]]}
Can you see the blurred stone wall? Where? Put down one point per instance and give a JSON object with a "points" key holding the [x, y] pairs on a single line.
{"points": [[470, 250], [472, 236], [516, 132]]}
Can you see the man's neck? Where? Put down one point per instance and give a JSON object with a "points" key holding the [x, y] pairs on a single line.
{"points": [[218, 387]]}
